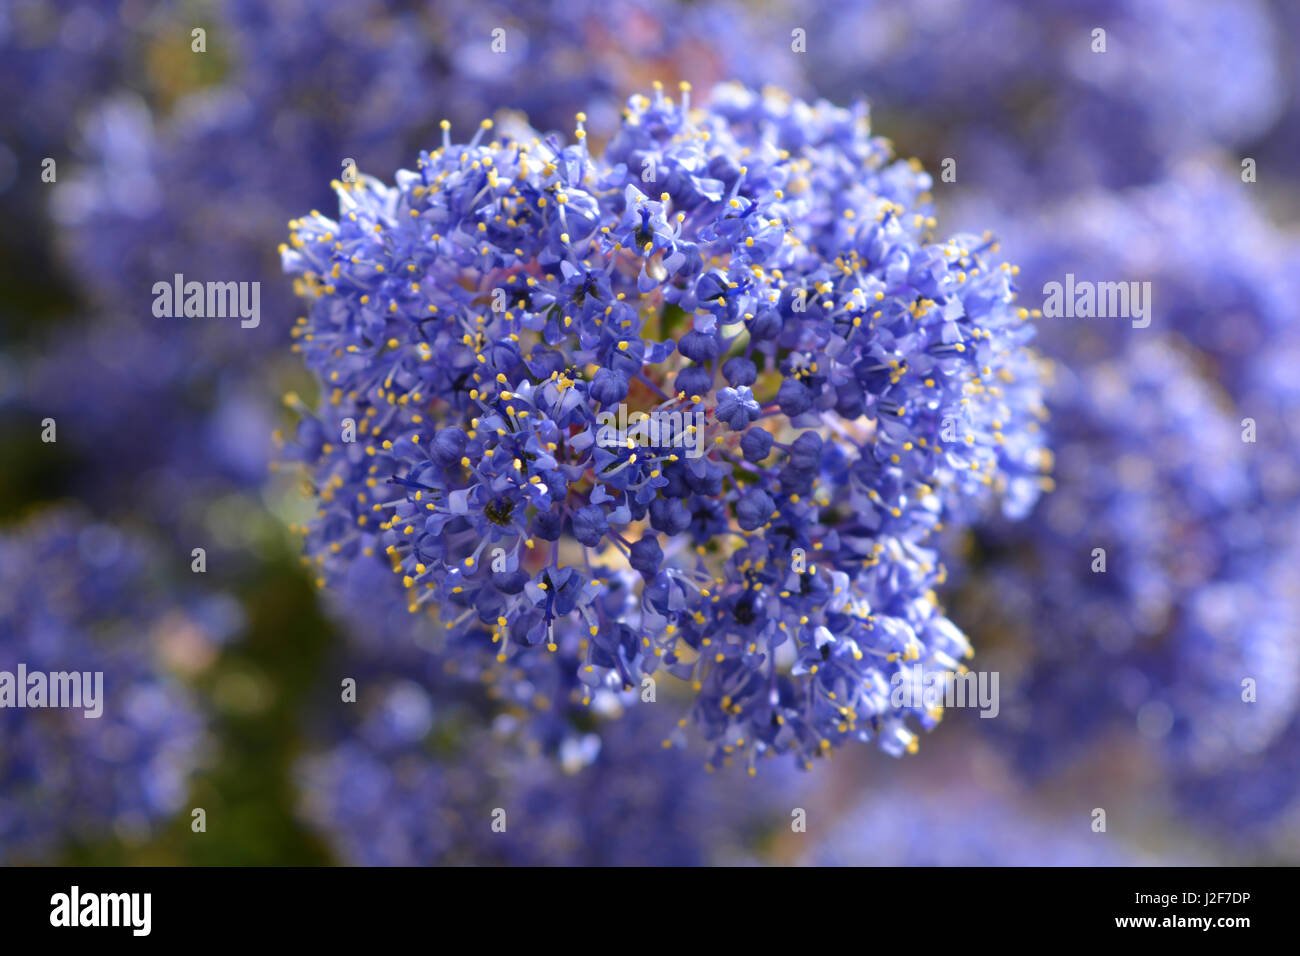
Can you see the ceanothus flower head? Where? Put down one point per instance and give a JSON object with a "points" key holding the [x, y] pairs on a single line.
{"points": [[543, 370], [77, 596]]}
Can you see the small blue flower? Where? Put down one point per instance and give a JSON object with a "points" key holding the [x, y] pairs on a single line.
{"points": [[737, 407]]}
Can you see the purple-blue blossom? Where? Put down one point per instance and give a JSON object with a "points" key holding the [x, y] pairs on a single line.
{"points": [[1028, 102], [419, 779], [1155, 590], [80, 596], [468, 324]]}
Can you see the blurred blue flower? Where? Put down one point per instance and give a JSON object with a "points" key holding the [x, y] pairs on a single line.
{"points": [[418, 781], [1190, 635], [1222, 274], [899, 825], [80, 596], [1025, 101]]}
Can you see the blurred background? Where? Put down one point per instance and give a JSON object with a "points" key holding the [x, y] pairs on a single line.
{"points": [[1166, 692]]}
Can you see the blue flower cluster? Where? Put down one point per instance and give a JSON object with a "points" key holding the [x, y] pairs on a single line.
{"points": [[824, 386], [77, 596], [686, 408]]}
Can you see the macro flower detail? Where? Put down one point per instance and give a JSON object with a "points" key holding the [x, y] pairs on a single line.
{"points": [[697, 403]]}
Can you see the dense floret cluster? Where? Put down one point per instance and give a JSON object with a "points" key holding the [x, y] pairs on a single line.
{"points": [[693, 405]]}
